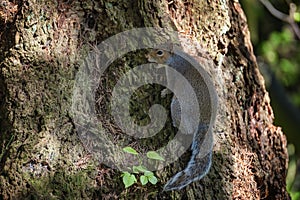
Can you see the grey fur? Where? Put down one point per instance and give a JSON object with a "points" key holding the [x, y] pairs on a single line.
{"points": [[201, 158]]}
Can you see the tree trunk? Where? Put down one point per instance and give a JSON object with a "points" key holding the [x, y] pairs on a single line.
{"points": [[43, 45]]}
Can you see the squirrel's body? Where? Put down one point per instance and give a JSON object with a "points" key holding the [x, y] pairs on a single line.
{"points": [[201, 147]]}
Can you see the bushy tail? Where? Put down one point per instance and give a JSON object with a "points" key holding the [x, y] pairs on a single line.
{"points": [[198, 165]]}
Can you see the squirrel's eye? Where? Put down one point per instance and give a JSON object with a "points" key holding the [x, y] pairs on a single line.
{"points": [[159, 53]]}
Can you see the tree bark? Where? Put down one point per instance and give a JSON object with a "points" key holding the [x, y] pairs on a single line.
{"points": [[42, 46]]}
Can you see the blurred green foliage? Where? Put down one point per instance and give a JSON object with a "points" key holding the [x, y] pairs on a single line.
{"points": [[292, 173], [277, 46], [282, 53], [275, 43]]}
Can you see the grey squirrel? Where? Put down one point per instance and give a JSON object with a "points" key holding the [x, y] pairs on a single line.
{"points": [[202, 144]]}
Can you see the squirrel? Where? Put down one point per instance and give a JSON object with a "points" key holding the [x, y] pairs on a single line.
{"points": [[201, 158]]}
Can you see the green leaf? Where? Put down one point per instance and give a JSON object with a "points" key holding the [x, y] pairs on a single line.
{"points": [[148, 173], [275, 39], [295, 195], [128, 179], [130, 150], [135, 170], [140, 168], [144, 180], [297, 16], [286, 36], [152, 179], [155, 156]]}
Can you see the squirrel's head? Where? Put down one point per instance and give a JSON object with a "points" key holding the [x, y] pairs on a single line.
{"points": [[158, 56]]}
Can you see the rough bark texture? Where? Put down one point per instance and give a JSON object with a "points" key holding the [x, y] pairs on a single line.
{"points": [[42, 44]]}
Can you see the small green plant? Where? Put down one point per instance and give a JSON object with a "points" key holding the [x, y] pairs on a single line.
{"points": [[128, 179], [147, 176]]}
